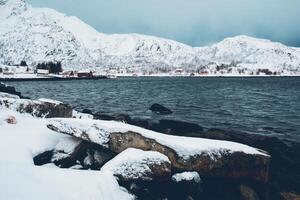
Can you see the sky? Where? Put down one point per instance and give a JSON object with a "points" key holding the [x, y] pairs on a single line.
{"points": [[194, 22]]}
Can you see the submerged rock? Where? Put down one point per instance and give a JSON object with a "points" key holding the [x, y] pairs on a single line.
{"points": [[210, 158], [160, 109]]}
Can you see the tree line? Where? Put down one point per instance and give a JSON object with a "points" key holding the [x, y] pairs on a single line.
{"points": [[53, 67]]}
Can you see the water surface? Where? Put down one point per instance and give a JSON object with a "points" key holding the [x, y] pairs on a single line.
{"points": [[255, 105]]}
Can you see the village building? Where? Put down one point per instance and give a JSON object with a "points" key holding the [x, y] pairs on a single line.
{"points": [[81, 74], [42, 71]]}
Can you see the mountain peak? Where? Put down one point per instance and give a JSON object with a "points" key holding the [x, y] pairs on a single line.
{"points": [[10, 8]]}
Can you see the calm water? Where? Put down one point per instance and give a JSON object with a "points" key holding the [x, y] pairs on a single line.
{"points": [[255, 105]]}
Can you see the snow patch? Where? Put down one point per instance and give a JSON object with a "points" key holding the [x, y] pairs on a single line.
{"points": [[187, 176]]}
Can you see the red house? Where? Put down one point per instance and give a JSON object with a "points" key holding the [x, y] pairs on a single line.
{"points": [[81, 74]]}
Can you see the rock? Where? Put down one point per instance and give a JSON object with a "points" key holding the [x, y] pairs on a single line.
{"points": [[11, 120], [100, 116], [6, 95], [224, 164], [210, 158], [134, 164], [122, 118], [88, 161], [247, 193], [159, 109], [87, 111], [43, 158], [9, 89], [119, 117], [64, 155], [38, 108], [101, 157], [284, 168], [144, 123], [189, 198], [175, 127], [290, 196]]}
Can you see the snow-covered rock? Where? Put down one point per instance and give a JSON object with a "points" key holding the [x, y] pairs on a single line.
{"points": [[134, 164], [39, 108], [221, 158], [186, 176], [21, 179], [78, 46]]}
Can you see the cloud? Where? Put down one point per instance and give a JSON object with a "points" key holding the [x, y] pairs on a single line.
{"points": [[196, 22]]}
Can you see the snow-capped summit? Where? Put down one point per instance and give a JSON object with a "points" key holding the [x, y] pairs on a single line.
{"points": [[38, 35], [253, 53], [11, 8]]}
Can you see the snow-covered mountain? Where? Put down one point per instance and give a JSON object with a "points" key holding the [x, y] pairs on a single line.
{"points": [[38, 35]]}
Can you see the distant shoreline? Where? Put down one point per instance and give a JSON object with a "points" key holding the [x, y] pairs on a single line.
{"points": [[142, 76], [52, 79]]}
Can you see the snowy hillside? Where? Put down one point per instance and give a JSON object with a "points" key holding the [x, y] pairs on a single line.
{"points": [[38, 35]]}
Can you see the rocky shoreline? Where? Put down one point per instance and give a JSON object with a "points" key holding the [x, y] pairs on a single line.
{"points": [[199, 165], [284, 178]]}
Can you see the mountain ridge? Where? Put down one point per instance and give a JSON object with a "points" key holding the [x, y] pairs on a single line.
{"points": [[67, 39]]}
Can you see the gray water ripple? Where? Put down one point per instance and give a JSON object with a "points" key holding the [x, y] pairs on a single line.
{"points": [[239, 104]]}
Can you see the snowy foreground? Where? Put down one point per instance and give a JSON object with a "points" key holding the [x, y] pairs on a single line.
{"points": [[24, 136], [21, 179]]}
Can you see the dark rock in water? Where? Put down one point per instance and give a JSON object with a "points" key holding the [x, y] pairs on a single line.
{"points": [[175, 127], [119, 117], [123, 118], [284, 168], [144, 123], [100, 116], [9, 89], [159, 109], [87, 111]]}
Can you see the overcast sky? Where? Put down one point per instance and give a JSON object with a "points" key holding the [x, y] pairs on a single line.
{"points": [[195, 22]]}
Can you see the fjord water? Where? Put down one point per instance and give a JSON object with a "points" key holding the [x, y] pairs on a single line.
{"points": [[254, 105]]}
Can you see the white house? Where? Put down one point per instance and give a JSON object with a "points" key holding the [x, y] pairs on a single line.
{"points": [[43, 71]]}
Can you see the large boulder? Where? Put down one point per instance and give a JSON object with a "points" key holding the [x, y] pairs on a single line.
{"points": [[210, 158], [39, 108], [134, 164], [160, 109], [290, 196]]}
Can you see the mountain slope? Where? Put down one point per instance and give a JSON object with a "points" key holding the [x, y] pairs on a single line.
{"points": [[38, 34]]}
